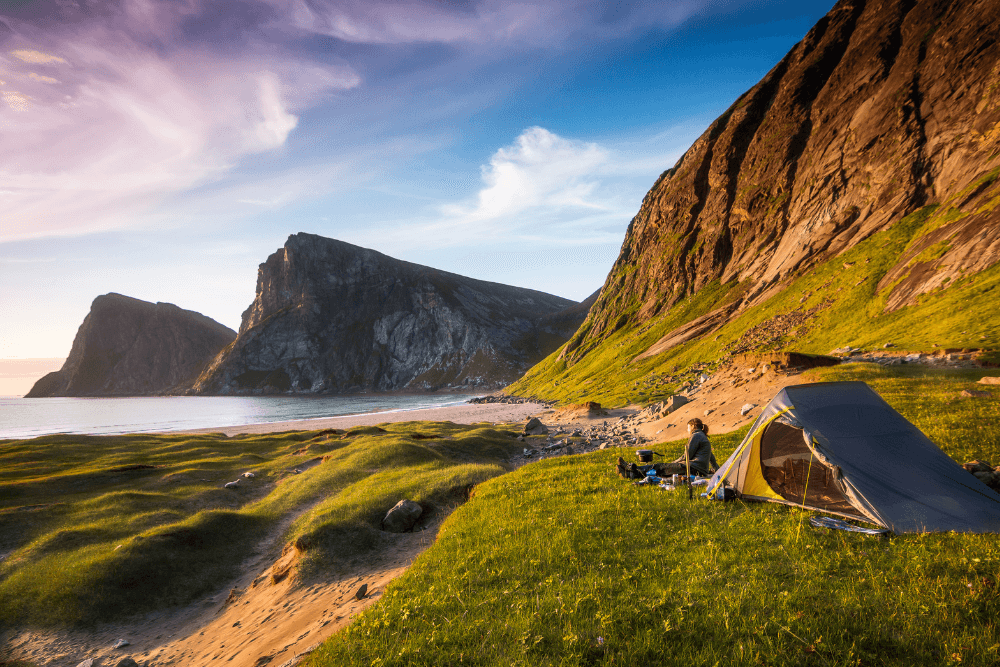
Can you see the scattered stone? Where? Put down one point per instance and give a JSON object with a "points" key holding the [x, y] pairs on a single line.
{"points": [[535, 427], [976, 465], [709, 411], [888, 345], [121, 643], [747, 407], [975, 393], [232, 485], [990, 379], [86, 663], [402, 517], [249, 475], [702, 379], [361, 592], [509, 400], [987, 478], [127, 662], [520, 438]]}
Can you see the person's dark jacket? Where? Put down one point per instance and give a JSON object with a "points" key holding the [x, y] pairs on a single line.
{"points": [[699, 452]]}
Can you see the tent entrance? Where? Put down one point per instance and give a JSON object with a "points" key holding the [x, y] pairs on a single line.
{"points": [[790, 468]]}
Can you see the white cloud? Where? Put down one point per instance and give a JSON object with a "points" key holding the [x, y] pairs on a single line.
{"points": [[539, 169]]}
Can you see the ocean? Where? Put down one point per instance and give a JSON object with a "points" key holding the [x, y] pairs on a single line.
{"points": [[30, 417]]}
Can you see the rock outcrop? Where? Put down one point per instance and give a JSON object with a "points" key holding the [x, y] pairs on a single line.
{"points": [[129, 347], [884, 107], [332, 317]]}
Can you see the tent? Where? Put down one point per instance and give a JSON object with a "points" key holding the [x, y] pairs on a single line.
{"points": [[837, 447]]}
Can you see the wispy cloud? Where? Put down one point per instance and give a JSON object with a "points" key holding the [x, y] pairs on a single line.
{"points": [[488, 22], [100, 121]]}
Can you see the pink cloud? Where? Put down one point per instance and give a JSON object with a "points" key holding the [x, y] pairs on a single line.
{"points": [[99, 123]]}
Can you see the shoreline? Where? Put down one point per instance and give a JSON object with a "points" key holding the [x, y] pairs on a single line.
{"points": [[464, 413]]}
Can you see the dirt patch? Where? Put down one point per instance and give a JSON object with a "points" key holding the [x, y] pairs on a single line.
{"points": [[267, 617]]}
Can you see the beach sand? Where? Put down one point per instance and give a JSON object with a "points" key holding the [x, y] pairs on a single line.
{"points": [[469, 413]]}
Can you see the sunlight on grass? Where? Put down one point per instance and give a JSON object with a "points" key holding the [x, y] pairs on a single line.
{"points": [[564, 563], [98, 528], [850, 311]]}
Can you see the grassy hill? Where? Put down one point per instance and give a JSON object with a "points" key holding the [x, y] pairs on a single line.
{"points": [[563, 563], [837, 303], [99, 528]]}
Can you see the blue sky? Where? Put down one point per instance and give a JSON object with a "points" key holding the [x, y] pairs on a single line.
{"points": [[164, 148]]}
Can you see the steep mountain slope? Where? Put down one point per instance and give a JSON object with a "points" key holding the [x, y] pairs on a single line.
{"points": [[333, 317], [129, 347], [883, 109]]}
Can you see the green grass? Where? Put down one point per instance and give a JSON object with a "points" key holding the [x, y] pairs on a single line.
{"points": [[563, 563], [849, 311], [83, 543]]}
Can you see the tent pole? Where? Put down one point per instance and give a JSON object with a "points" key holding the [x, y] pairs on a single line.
{"points": [[687, 464], [805, 491], [749, 439]]}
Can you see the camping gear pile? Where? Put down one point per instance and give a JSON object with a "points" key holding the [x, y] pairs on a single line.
{"points": [[838, 448]]}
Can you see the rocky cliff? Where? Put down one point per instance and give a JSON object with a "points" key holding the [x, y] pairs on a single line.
{"points": [[128, 347], [884, 107], [332, 317]]}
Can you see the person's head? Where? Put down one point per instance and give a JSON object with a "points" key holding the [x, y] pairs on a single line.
{"points": [[697, 425]]}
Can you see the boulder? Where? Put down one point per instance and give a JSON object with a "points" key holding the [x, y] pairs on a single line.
{"points": [[990, 379], [747, 407], [127, 662], [362, 592], [975, 393], [976, 465], [535, 427], [402, 517], [89, 662], [673, 403]]}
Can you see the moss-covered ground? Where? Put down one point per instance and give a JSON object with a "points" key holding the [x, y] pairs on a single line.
{"points": [[833, 305], [95, 529], [563, 563]]}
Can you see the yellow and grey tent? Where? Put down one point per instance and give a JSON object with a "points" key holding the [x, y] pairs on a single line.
{"points": [[837, 447]]}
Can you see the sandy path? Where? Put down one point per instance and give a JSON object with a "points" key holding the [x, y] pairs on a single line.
{"points": [[470, 413], [260, 622]]}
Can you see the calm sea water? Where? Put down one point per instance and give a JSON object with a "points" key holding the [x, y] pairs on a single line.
{"points": [[29, 417]]}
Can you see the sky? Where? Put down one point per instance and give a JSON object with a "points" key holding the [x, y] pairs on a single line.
{"points": [[163, 149]]}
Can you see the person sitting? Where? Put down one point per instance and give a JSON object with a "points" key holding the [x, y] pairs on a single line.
{"points": [[699, 452]]}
